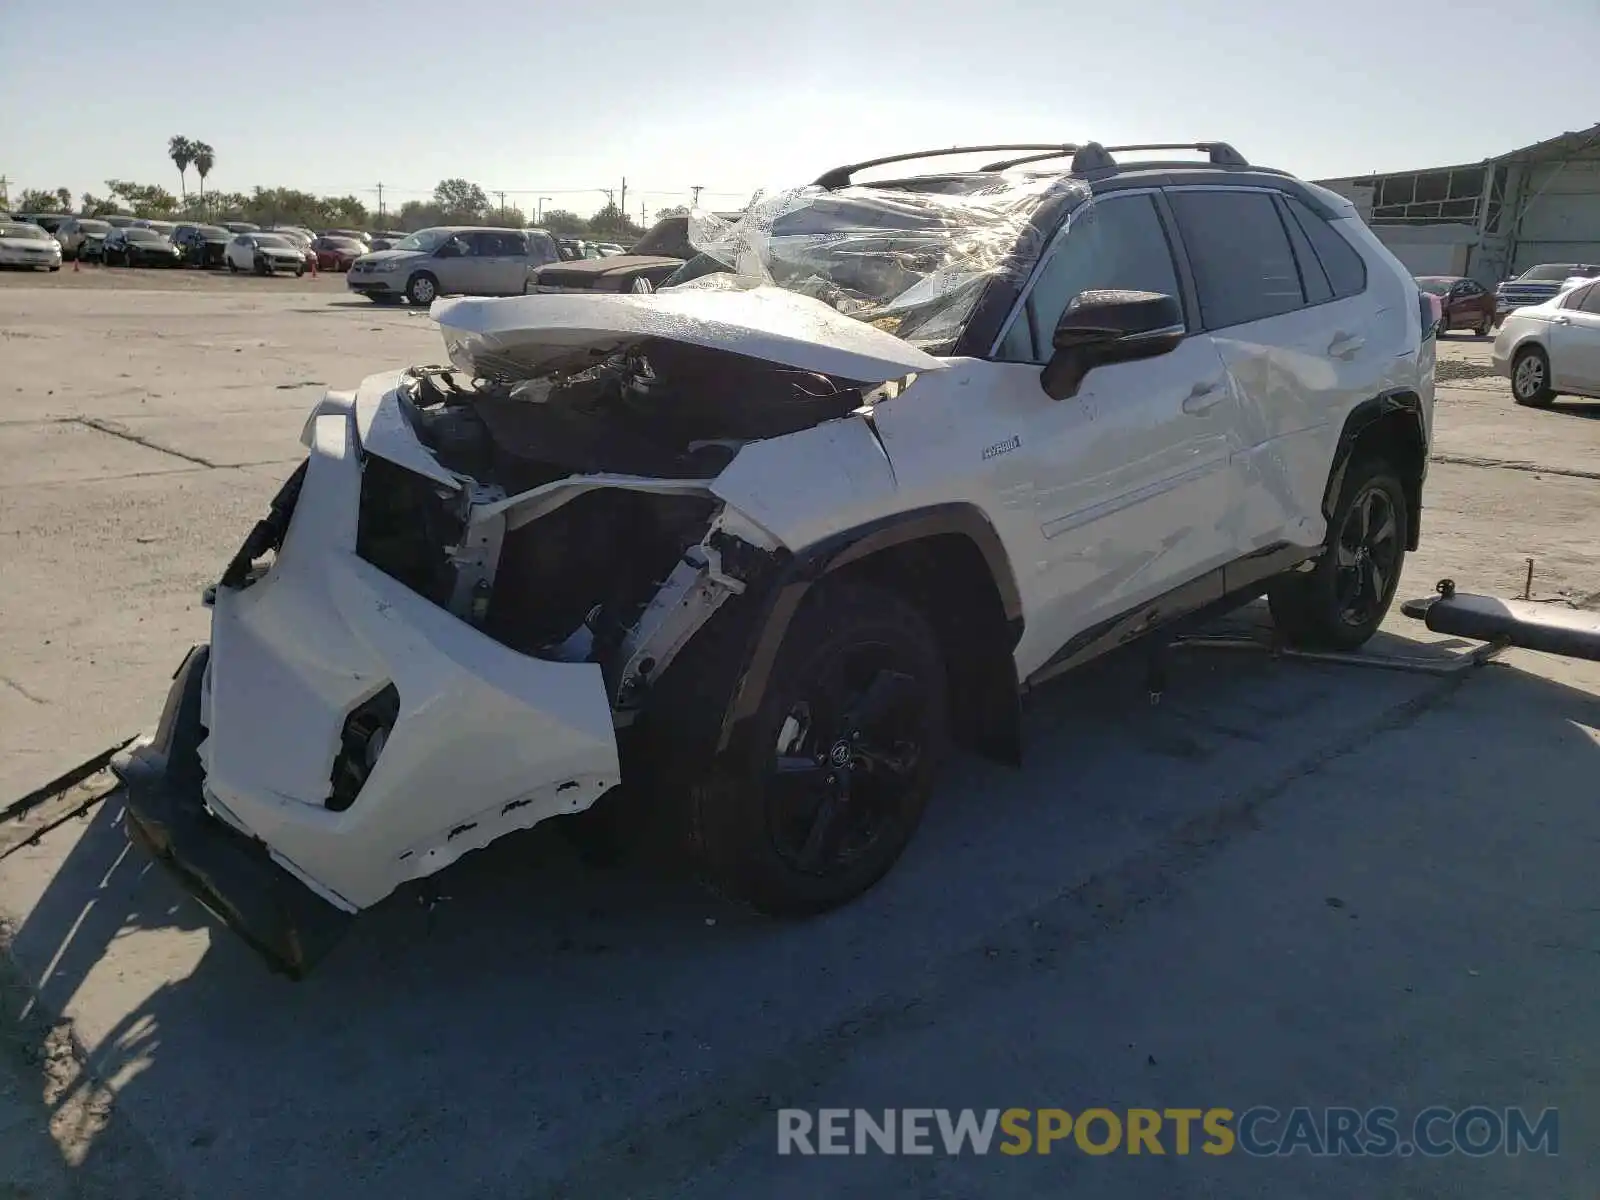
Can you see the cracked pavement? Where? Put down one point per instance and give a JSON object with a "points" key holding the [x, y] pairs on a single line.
{"points": [[1141, 916]]}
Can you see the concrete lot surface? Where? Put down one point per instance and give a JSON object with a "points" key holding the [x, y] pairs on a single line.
{"points": [[1286, 884]]}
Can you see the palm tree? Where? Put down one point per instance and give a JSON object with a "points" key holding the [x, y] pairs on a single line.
{"points": [[181, 151], [204, 159]]}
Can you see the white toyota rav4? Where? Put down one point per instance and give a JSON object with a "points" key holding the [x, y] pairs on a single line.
{"points": [[760, 545]]}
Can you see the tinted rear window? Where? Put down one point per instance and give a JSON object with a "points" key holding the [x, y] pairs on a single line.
{"points": [[1346, 271], [1243, 266]]}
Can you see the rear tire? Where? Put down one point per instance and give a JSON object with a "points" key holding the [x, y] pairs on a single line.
{"points": [[1486, 326], [1530, 378], [817, 804], [1339, 604]]}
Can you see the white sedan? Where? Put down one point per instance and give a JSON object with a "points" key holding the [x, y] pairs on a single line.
{"points": [[1552, 349], [25, 245], [265, 254]]}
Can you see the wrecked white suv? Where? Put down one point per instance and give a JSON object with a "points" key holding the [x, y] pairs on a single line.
{"points": [[753, 550]]}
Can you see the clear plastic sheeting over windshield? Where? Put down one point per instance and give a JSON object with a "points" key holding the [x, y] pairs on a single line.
{"points": [[912, 263]]}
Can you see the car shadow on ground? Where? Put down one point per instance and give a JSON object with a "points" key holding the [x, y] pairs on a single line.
{"points": [[580, 1012], [1588, 409]]}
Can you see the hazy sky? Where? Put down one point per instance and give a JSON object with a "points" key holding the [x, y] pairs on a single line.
{"points": [[561, 100]]}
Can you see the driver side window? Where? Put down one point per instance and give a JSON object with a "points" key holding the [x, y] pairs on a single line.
{"points": [[1118, 242]]}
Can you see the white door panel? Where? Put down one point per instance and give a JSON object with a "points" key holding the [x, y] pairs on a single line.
{"points": [[1575, 350], [1104, 500], [1297, 375]]}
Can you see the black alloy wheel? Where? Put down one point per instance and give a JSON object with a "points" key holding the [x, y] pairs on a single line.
{"points": [[1367, 555]]}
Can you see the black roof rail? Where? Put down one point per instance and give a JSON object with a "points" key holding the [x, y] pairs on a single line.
{"points": [[1095, 157], [839, 177], [1005, 164]]}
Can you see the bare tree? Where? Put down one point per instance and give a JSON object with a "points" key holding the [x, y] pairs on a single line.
{"points": [[181, 151]]}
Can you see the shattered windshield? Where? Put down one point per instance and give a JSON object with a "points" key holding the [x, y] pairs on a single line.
{"points": [[912, 263]]}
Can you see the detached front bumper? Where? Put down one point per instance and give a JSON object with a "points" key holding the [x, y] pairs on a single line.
{"points": [[231, 874], [342, 730]]}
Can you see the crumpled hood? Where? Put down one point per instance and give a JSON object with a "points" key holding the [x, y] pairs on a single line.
{"points": [[531, 335]]}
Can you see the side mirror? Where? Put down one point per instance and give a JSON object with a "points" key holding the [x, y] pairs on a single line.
{"points": [[1104, 327]]}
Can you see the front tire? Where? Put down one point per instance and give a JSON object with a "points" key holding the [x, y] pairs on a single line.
{"points": [[1530, 378], [423, 289], [1339, 604], [819, 801]]}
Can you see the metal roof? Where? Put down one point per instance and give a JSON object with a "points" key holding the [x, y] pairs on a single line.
{"points": [[1566, 145]]}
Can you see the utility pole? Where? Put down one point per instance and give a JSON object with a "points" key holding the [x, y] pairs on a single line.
{"points": [[694, 201], [502, 196], [381, 221], [641, 214], [5, 192], [538, 216], [623, 207]]}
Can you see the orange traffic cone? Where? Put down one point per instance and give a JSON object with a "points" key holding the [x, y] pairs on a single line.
{"points": [[75, 266]]}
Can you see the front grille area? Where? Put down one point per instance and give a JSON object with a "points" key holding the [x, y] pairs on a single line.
{"points": [[405, 527]]}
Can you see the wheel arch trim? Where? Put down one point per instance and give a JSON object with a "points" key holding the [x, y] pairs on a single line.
{"points": [[1396, 404], [808, 566]]}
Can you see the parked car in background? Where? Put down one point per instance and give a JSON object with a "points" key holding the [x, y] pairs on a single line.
{"points": [[1552, 349], [1536, 285], [91, 248], [386, 239], [337, 253], [75, 231], [203, 245], [462, 260], [1572, 281], [658, 254], [24, 244], [266, 254], [350, 234], [608, 249], [140, 247], [120, 221], [301, 238], [240, 227], [1464, 303], [165, 228], [49, 222]]}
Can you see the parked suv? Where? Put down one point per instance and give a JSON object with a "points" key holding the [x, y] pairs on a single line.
{"points": [[1536, 285], [765, 543], [456, 260]]}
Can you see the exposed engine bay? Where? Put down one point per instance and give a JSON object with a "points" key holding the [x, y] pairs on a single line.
{"points": [[585, 529]]}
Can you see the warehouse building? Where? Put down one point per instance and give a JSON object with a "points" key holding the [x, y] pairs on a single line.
{"points": [[1492, 219]]}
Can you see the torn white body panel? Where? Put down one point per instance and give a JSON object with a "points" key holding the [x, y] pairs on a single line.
{"points": [[486, 741]]}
